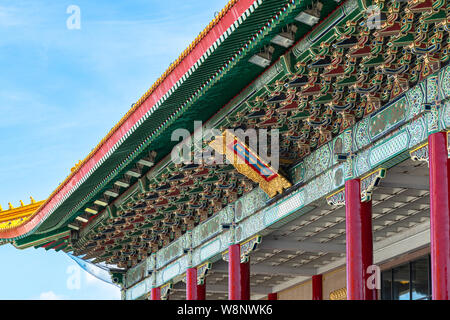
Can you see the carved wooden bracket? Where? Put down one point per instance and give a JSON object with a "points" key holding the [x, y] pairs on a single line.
{"points": [[246, 248], [368, 183]]}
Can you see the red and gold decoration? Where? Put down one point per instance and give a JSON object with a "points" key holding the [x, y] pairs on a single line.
{"points": [[247, 162]]}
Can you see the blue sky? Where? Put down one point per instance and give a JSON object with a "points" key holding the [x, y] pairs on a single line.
{"points": [[61, 91]]}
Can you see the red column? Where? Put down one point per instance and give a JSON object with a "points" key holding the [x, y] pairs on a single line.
{"points": [[272, 296], [155, 294], [234, 272], [367, 244], [359, 247], [317, 287], [191, 284], [201, 291], [439, 215], [245, 281]]}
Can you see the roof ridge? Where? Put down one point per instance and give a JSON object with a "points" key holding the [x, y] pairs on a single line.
{"points": [[22, 205]]}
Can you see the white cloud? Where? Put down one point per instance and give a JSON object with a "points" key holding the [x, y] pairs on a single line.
{"points": [[50, 295]]}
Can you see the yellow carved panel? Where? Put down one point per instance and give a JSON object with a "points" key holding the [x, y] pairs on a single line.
{"points": [[247, 162]]}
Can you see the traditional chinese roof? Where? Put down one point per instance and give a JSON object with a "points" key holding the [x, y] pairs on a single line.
{"points": [[126, 207]]}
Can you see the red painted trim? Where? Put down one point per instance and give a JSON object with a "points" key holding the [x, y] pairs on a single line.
{"points": [[359, 246], [272, 296], [59, 245], [155, 293], [317, 287], [245, 281], [47, 244], [191, 284], [202, 46], [439, 215], [234, 272]]}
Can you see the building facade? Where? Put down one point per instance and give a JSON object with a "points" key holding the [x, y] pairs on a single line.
{"points": [[350, 202]]}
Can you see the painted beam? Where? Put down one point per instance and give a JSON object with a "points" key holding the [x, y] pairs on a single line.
{"points": [[82, 218], [91, 210], [121, 183], [101, 202], [146, 162], [112, 193], [133, 173]]}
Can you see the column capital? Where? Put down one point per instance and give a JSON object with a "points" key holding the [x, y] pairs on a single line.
{"points": [[246, 248], [421, 152], [165, 290], [202, 271], [367, 185]]}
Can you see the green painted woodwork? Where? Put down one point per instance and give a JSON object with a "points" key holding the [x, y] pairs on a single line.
{"points": [[206, 104]]}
